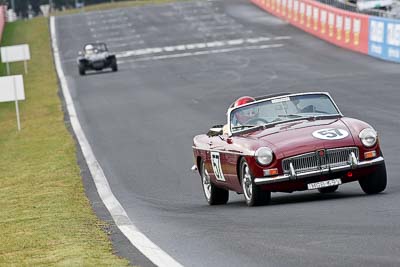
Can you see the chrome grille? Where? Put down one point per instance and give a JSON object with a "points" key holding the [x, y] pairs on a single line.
{"points": [[304, 162], [312, 161], [339, 156]]}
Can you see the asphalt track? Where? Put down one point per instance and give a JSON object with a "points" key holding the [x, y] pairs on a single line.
{"points": [[140, 122]]}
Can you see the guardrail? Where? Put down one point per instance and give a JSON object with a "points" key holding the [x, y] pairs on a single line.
{"points": [[2, 20], [375, 36]]}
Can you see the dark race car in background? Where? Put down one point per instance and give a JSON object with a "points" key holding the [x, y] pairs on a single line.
{"points": [[286, 143], [95, 56]]}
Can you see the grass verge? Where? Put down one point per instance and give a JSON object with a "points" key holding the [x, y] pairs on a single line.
{"points": [[45, 217], [111, 5]]}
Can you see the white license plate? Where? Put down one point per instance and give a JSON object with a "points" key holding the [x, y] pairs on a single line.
{"points": [[324, 184]]}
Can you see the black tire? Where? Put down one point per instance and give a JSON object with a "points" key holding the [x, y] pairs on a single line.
{"points": [[375, 182], [329, 189], [114, 65], [253, 194], [82, 70], [213, 194]]}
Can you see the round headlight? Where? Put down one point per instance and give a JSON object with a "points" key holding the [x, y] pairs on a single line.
{"points": [[264, 155], [368, 137]]}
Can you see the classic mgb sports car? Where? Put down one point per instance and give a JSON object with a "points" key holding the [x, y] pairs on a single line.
{"points": [[286, 143], [95, 56]]}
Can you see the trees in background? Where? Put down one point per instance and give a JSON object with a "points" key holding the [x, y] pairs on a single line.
{"points": [[23, 7]]}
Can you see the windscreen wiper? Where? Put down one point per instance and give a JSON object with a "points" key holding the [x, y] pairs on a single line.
{"points": [[243, 127], [327, 116], [291, 116]]}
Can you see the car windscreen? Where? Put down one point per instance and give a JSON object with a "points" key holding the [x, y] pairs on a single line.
{"points": [[281, 109]]}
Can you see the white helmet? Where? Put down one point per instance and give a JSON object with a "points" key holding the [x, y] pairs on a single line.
{"points": [[89, 47]]}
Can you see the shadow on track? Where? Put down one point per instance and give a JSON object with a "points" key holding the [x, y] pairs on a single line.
{"points": [[91, 73], [306, 198]]}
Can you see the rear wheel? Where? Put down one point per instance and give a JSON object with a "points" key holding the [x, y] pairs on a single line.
{"points": [[376, 181], [329, 189], [114, 65], [253, 194], [214, 195]]}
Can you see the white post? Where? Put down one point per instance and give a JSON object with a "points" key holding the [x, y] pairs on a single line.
{"points": [[25, 65], [7, 64], [16, 105]]}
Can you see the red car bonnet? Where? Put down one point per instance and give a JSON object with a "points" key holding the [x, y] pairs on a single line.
{"points": [[296, 137]]}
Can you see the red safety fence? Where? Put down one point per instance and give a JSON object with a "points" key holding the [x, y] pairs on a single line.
{"points": [[337, 26], [2, 20]]}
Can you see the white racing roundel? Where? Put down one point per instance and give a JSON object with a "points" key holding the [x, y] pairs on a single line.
{"points": [[330, 134]]}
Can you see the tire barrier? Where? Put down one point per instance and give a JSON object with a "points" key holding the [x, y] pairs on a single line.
{"points": [[375, 36], [2, 20]]}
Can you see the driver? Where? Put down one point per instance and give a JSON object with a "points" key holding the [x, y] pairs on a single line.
{"points": [[243, 116], [89, 49]]}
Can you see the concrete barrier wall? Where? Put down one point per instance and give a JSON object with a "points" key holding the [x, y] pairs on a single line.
{"points": [[2, 20], [342, 28], [375, 36], [384, 38]]}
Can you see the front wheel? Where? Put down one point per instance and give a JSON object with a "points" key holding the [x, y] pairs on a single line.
{"points": [[214, 195], [82, 70], [253, 194], [376, 181]]}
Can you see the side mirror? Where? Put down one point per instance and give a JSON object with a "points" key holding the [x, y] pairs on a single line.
{"points": [[80, 53], [215, 130]]}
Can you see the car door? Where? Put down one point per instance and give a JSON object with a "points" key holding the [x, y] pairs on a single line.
{"points": [[223, 158], [217, 157]]}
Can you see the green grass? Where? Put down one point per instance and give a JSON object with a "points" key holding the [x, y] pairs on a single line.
{"points": [[111, 5], [45, 217]]}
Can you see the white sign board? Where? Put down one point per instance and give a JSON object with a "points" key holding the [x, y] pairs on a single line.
{"points": [[15, 53], [12, 88]]}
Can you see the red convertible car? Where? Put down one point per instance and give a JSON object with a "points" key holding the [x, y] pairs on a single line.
{"points": [[286, 143]]}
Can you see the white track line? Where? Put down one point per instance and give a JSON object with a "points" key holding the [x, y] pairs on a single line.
{"points": [[108, 21], [111, 27], [121, 219], [185, 47], [124, 38], [114, 33], [114, 46], [184, 50], [199, 53]]}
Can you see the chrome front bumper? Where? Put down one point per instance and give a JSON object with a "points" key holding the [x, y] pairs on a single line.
{"points": [[353, 164]]}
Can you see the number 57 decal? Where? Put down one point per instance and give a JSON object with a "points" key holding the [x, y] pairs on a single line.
{"points": [[330, 134], [216, 165]]}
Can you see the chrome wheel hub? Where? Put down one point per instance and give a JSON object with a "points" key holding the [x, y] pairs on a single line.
{"points": [[246, 182], [206, 182]]}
